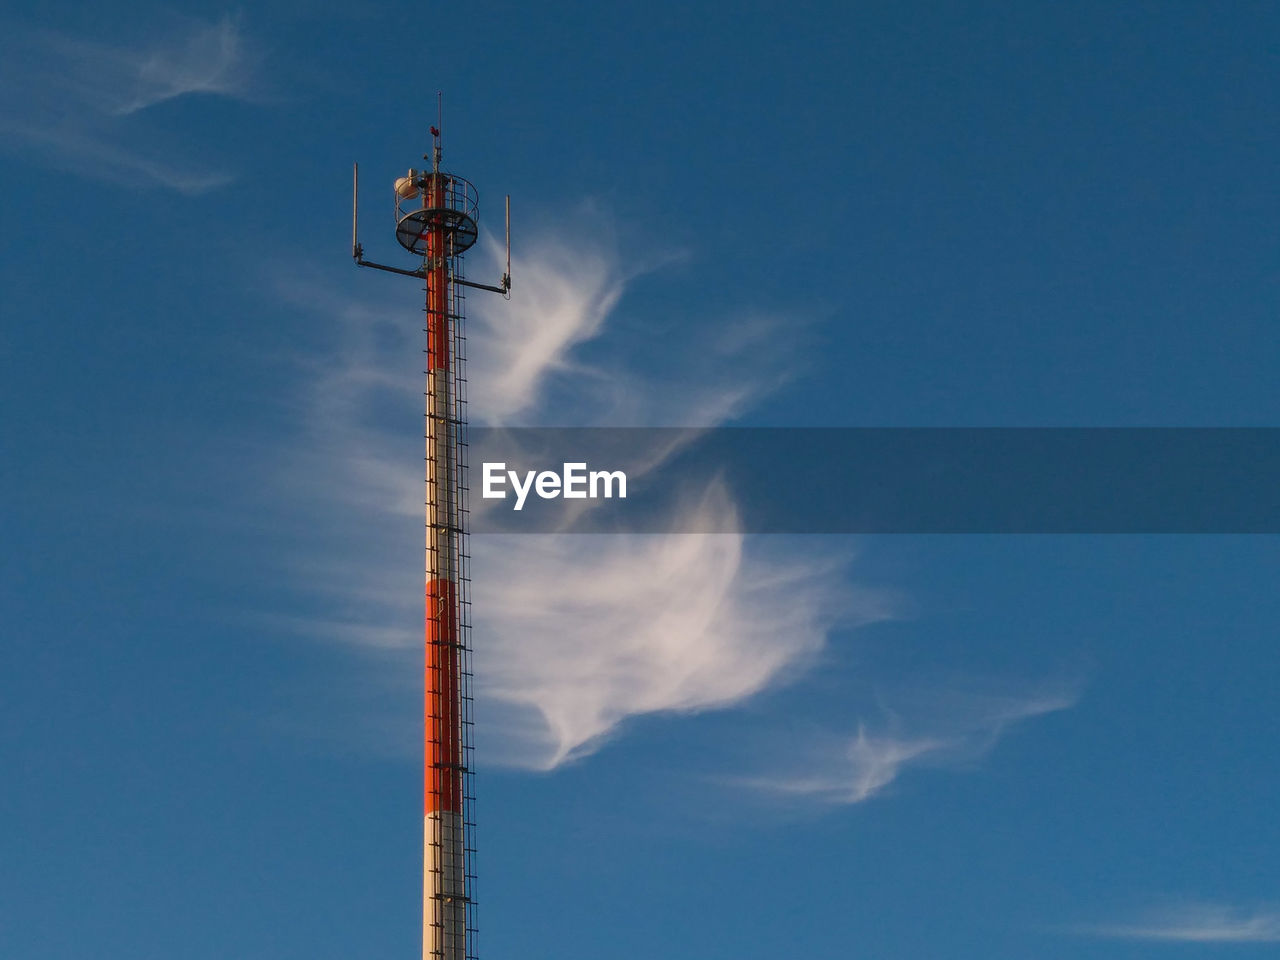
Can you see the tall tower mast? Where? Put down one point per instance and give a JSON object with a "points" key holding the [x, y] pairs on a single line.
{"points": [[436, 219]]}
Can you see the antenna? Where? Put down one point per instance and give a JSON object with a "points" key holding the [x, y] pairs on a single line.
{"points": [[356, 249], [436, 217], [435, 132], [506, 277]]}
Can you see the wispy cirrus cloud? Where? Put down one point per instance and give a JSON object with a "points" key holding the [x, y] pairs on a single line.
{"points": [[1196, 922], [209, 58], [956, 729], [565, 295], [580, 633], [75, 102], [583, 633], [526, 368]]}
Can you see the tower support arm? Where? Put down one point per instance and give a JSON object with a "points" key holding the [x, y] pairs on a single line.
{"points": [[503, 288], [419, 273]]}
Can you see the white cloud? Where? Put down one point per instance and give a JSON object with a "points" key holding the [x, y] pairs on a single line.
{"points": [[75, 102], [1197, 922], [524, 367], [208, 58], [957, 729], [576, 634], [563, 297], [582, 632], [118, 164]]}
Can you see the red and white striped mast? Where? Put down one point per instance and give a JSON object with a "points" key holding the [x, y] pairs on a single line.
{"points": [[440, 230]]}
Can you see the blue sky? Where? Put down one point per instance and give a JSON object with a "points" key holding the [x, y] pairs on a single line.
{"points": [[804, 214]]}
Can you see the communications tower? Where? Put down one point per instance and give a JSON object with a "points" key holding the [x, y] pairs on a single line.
{"points": [[436, 215]]}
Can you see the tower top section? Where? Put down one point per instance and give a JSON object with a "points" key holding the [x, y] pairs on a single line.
{"points": [[437, 216]]}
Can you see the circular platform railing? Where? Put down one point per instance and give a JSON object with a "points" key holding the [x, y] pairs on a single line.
{"points": [[432, 202]]}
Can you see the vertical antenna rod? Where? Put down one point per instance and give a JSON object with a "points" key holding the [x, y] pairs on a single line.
{"points": [[355, 210]]}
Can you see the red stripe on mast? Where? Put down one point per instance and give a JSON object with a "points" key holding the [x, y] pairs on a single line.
{"points": [[442, 714]]}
